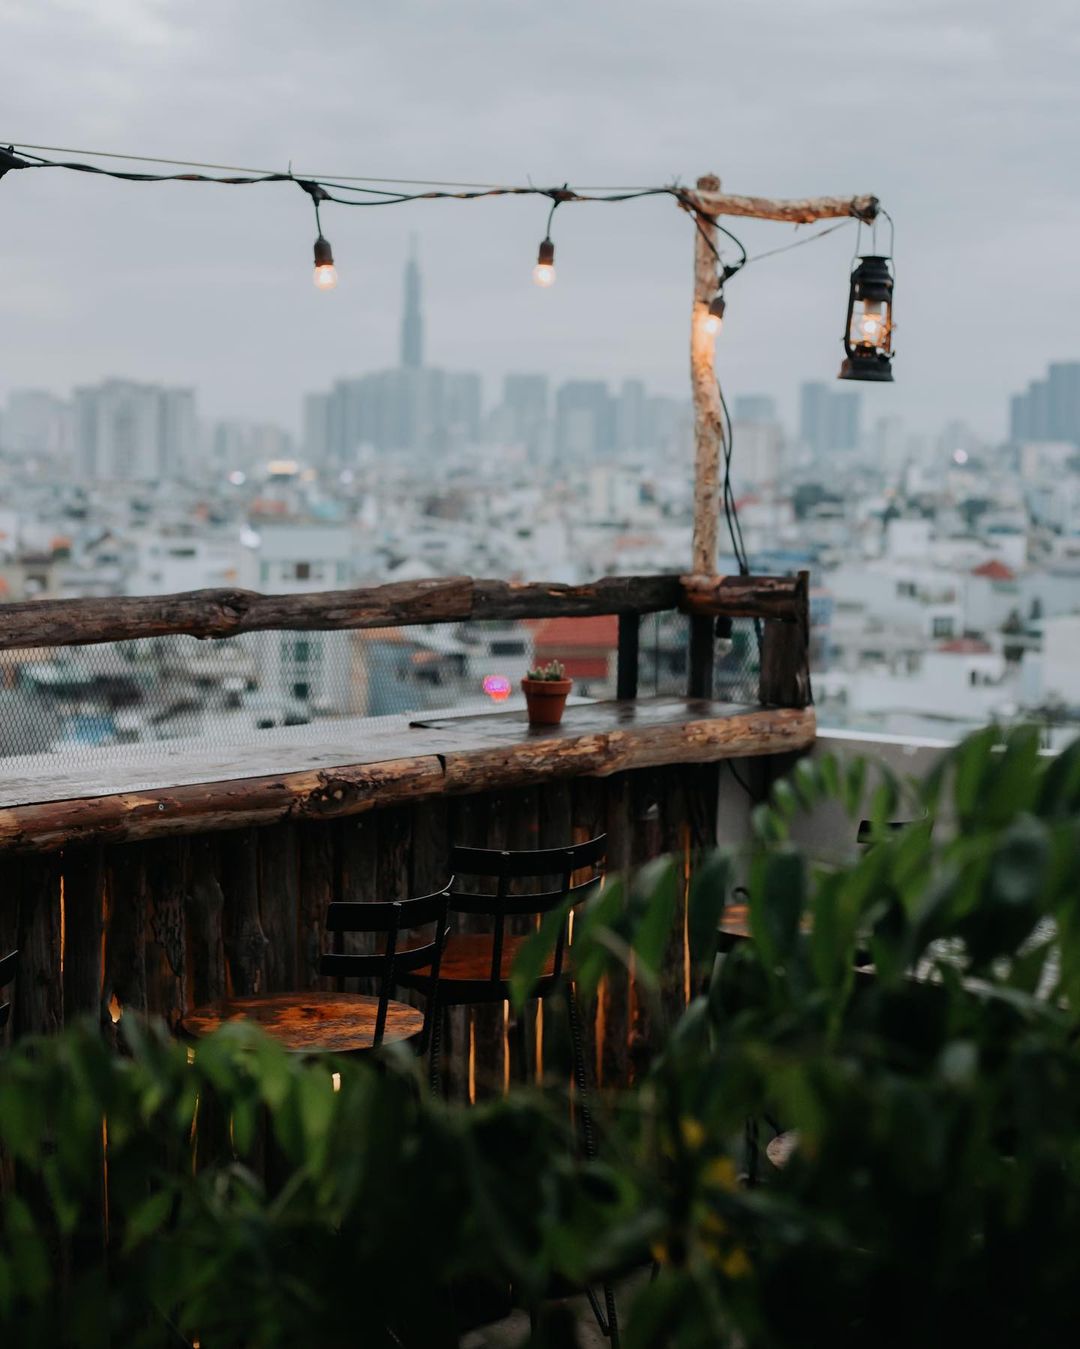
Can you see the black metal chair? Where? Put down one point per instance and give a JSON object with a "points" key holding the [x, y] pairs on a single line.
{"points": [[8, 966], [317, 1022], [476, 966]]}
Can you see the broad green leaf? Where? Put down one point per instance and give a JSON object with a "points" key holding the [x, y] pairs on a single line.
{"points": [[147, 1219]]}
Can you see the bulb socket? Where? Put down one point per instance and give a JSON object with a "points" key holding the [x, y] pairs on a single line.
{"points": [[324, 255], [718, 306], [546, 255]]}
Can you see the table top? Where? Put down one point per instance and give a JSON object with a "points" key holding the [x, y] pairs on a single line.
{"points": [[363, 762]]}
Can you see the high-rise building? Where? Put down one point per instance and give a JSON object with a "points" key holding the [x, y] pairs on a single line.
{"points": [[134, 432], [584, 419], [1049, 409], [630, 417], [412, 322], [316, 427], [462, 397], [828, 421], [754, 407], [523, 416], [37, 422]]}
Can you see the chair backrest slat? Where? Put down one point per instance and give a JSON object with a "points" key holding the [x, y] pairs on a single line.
{"points": [[393, 919], [381, 916], [536, 901], [470, 861], [362, 965], [539, 864]]}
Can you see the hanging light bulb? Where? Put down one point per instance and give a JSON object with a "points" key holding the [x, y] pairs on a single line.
{"points": [[544, 271], [714, 319], [869, 329], [325, 271]]}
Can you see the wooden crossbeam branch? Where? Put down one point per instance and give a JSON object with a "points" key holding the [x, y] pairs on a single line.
{"points": [[798, 211]]}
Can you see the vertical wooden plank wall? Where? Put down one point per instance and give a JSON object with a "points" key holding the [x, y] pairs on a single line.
{"points": [[161, 926]]}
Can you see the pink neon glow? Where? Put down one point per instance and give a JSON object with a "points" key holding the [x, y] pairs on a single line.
{"points": [[497, 687]]}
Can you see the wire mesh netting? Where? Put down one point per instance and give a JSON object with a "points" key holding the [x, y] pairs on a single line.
{"points": [[60, 708]]}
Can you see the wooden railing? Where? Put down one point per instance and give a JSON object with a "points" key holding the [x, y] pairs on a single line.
{"points": [[780, 603]]}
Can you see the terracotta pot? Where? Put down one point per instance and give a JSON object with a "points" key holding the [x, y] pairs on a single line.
{"points": [[546, 699]]}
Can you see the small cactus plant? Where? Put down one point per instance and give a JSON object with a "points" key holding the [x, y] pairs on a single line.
{"points": [[551, 671]]}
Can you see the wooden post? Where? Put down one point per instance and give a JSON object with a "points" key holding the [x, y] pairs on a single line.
{"points": [[784, 679], [629, 644], [705, 393], [707, 423]]}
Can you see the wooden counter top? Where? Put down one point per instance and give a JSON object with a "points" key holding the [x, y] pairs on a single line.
{"points": [[127, 796]]}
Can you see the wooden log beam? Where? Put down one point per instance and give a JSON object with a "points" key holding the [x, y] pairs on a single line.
{"points": [[604, 753], [209, 807], [742, 596], [798, 211], [542, 599], [227, 613], [479, 754]]}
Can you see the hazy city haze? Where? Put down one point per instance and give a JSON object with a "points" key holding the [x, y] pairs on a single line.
{"points": [[961, 115]]}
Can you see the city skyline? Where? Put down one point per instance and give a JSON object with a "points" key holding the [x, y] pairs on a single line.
{"points": [[207, 287], [120, 428]]}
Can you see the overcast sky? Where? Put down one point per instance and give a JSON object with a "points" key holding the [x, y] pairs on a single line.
{"points": [[961, 115]]}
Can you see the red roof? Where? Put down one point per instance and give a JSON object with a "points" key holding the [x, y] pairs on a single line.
{"points": [[995, 571], [966, 646], [601, 631]]}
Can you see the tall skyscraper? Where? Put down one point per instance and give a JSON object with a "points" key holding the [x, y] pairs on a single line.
{"points": [[754, 407], [827, 421], [1049, 410], [412, 323], [134, 432], [630, 417], [584, 419]]}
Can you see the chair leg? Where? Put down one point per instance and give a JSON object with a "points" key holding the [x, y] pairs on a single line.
{"points": [[607, 1318], [520, 1041], [581, 1089], [435, 1048]]}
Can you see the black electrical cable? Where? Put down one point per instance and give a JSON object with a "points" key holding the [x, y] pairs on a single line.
{"points": [[798, 243], [731, 510]]}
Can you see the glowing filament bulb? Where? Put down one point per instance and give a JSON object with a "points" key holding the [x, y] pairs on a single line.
{"points": [[868, 328], [325, 272], [714, 319], [544, 271]]}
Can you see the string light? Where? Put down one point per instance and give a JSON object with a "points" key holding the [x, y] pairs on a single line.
{"points": [[325, 271], [544, 271], [325, 277], [332, 188], [714, 319]]}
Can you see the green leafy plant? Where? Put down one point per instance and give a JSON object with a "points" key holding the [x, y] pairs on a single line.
{"points": [[909, 1016], [552, 671], [906, 1012]]}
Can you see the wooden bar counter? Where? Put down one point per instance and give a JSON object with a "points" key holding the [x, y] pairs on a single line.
{"points": [[157, 881]]}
